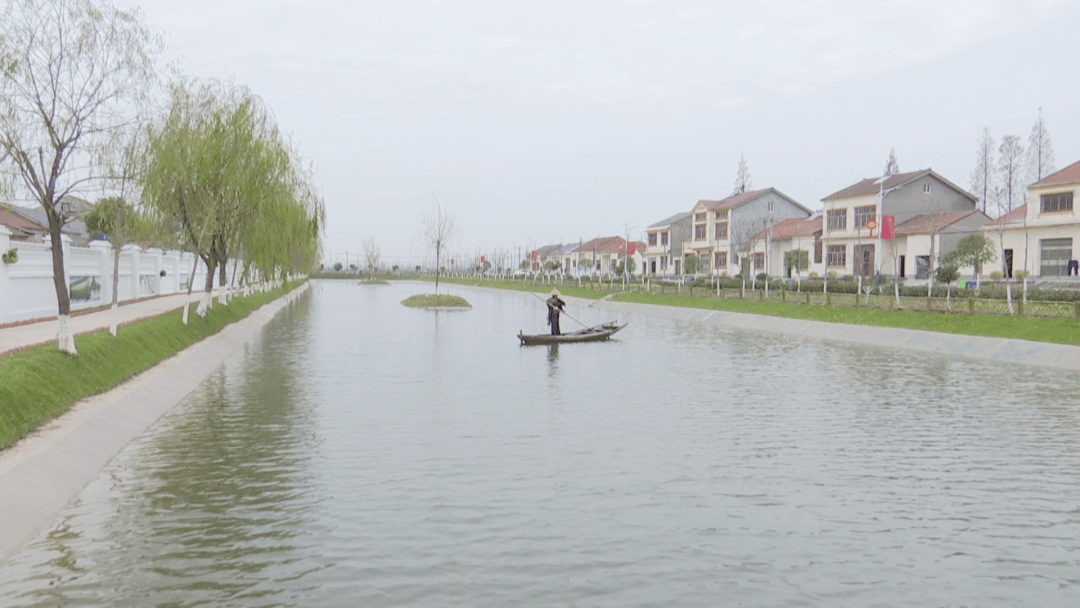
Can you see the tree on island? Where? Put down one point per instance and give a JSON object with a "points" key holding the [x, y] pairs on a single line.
{"points": [[71, 74], [439, 230], [371, 256]]}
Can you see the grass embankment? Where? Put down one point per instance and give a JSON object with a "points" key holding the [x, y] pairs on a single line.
{"points": [[436, 301], [40, 383], [1054, 330]]}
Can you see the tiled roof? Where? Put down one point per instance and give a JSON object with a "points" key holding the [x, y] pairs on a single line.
{"points": [[547, 250], [607, 244], [932, 222], [22, 226], [796, 226], [869, 185], [1015, 216], [1068, 175], [744, 197], [671, 220]]}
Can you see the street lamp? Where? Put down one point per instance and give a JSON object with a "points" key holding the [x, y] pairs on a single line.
{"points": [[881, 220]]}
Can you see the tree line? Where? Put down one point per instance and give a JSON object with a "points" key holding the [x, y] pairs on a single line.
{"points": [[182, 162]]}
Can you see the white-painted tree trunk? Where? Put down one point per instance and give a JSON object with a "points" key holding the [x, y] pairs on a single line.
{"points": [[204, 304], [65, 340], [115, 318], [187, 307]]}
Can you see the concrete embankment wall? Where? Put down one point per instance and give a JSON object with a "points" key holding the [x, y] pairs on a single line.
{"points": [[43, 473], [1004, 350]]}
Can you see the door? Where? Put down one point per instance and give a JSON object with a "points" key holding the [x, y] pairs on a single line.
{"points": [[864, 260], [1054, 256], [922, 267], [1008, 263]]}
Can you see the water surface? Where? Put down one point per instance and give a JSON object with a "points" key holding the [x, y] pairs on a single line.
{"points": [[361, 453]]}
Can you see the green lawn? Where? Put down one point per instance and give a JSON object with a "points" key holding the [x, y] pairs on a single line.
{"points": [[1056, 330], [40, 383], [436, 301]]}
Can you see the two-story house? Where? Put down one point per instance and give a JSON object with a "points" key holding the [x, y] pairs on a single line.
{"points": [[664, 242], [790, 249], [1042, 236], [601, 256], [724, 233], [855, 217]]}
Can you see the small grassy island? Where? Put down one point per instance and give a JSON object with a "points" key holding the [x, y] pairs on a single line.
{"points": [[436, 301], [373, 282]]}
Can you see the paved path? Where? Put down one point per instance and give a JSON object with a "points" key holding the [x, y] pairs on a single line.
{"points": [[41, 332], [44, 472]]}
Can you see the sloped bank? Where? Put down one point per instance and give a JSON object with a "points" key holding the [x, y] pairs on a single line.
{"points": [[1004, 350], [44, 472]]}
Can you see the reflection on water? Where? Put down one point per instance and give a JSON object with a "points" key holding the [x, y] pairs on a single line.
{"points": [[365, 453]]}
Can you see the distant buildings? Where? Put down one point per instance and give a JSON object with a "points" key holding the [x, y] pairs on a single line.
{"points": [[898, 226]]}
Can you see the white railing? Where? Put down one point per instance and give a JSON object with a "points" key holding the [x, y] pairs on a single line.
{"points": [[27, 290]]}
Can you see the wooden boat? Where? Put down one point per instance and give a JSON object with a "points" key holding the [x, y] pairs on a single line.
{"points": [[592, 334]]}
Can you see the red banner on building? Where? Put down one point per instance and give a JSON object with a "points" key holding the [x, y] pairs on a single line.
{"points": [[631, 247], [888, 226]]}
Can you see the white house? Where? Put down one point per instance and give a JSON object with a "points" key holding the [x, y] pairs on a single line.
{"points": [[1041, 236]]}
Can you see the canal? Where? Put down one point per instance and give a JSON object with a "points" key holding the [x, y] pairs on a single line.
{"points": [[361, 453]]}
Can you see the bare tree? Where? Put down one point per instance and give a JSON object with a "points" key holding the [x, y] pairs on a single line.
{"points": [[371, 256], [742, 178], [1010, 173], [892, 166], [439, 231], [982, 176], [69, 72], [1040, 152]]}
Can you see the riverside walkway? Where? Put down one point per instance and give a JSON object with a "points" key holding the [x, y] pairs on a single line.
{"points": [[32, 333]]}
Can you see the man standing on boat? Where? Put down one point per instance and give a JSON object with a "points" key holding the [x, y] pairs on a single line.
{"points": [[555, 306]]}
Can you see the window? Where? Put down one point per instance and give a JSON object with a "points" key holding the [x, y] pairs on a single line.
{"points": [[652, 239], [864, 215], [721, 260], [838, 219], [759, 261], [663, 263], [926, 188], [699, 232], [770, 205], [663, 239], [700, 217], [1056, 202], [721, 230], [837, 255], [721, 214]]}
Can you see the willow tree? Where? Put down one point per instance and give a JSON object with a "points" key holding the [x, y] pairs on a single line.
{"points": [[119, 223], [71, 72], [221, 170]]}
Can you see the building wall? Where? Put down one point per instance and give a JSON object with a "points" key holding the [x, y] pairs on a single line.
{"points": [[913, 200]]}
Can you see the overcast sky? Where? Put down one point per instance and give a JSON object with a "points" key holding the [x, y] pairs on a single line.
{"points": [[549, 122]]}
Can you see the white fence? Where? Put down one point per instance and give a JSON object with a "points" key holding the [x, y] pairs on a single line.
{"points": [[27, 290]]}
